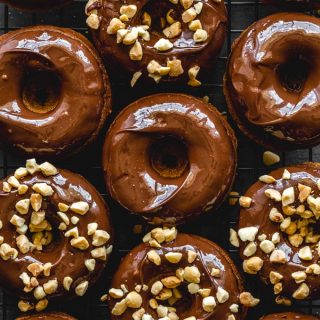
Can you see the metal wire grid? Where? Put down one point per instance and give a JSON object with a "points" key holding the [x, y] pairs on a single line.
{"points": [[214, 227]]}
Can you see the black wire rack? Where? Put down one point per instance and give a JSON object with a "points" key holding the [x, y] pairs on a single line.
{"points": [[88, 163]]}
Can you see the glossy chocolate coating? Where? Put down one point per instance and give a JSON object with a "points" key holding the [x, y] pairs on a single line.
{"points": [[66, 260], [289, 316], [211, 149], [84, 101], [258, 215], [264, 109], [36, 5], [213, 18], [48, 316], [136, 268]]}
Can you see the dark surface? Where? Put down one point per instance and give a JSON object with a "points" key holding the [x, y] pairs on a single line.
{"points": [[214, 227]]}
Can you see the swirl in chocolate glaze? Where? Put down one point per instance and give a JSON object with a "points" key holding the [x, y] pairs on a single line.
{"points": [[36, 5], [279, 231], [169, 157], [48, 316], [182, 277], [272, 85], [55, 237], [132, 44], [54, 92], [289, 316]]}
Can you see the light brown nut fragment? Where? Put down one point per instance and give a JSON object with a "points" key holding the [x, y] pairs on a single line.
{"points": [[22, 206], [248, 233], [156, 288], [192, 274], [129, 10], [32, 166], [275, 277], [186, 4], [35, 268], [313, 269], [305, 253], [51, 286], [13, 181], [195, 25], [267, 179], [100, 253], [6, 187], [80, 207], [288, 196], [252, 265], [136, 52], [277, 288], [23, 244], [299, 276], [90, 264], [176, 68], [163, 45], [100, 237], [273, 194], [270, 158], [171, 282], [41, 305], [304, 192], [39, 293], [208, 304], [248, 300], [22, 189], [222, 295], [43, 188], [173, 257], [115, 25], [250, 249], [119, 308], [116, 293], [173, 30], [67, 282], [189, 15], [36, 201], [135, 78], [275, 215], [204, 292], [233, 238], [133, 300], [154, 257], [200, 35], [21, 173], [48, 169], [302, 292], [283, 301], [191, 256], [278, 256], [146, 19], [245, 202], [25, 306], [267, 246], [17, 221], [81, 288]]}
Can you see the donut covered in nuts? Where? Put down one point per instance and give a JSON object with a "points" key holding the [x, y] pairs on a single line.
{"points": [[54, 92], [272, 84], [295, 4], [289, 316], [279, 232], [169, 158], [159, 40], [36, 5], [47, 316], [55, 234], [177, 276]]}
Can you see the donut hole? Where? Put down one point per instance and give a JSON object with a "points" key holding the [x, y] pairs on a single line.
{"points": [[169, 157], [40, 90], [293, 74], [159, 11]]}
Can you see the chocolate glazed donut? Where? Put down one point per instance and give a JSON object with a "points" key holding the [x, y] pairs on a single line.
{"points": [[161, 40], [56, 234], [272, 85], [185, 277], [279, 231], [48, 316], [169, 157], [36, 5], [289, 316], [54, 92]]}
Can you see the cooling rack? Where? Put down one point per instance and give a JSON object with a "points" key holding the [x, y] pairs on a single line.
{"points": [[214, 227]]}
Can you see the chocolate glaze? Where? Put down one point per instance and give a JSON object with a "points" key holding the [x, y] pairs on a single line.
{"points": [[264, 109], [48, 316], [36, 5], [213, 18], [84, 101], [289, 316], [211, 149], [136, 269], [258, 215], [66, 260]]}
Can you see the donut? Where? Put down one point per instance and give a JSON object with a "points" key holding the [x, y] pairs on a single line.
{"points": [[54, 92], [271, 83], [169, 158], [55, 234], [47, 316], [289, 316], [278, 231], [36, 5], [178, 276], [158, 40]]}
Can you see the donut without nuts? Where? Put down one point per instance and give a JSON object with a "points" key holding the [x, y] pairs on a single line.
{"points": [[279, 231], [36, 5], [54, 92], [272, 85], [55, 234], [48, 316], [289, 316], [191, 274], [169, 157], [159, 40]]}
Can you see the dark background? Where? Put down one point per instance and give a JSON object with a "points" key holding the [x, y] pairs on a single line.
{"points": [[88, 163]]}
